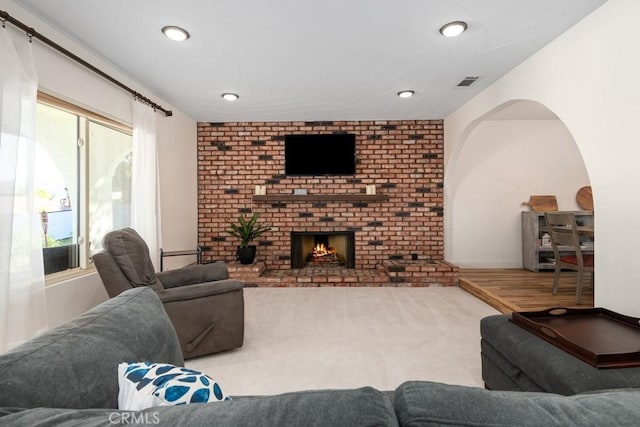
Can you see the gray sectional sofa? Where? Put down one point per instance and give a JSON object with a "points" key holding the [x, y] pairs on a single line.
{"points": [[68, 376]]}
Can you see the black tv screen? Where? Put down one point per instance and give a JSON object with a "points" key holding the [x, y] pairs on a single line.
{"points": [[330, 154]]}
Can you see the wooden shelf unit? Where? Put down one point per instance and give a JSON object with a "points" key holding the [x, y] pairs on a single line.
{"points": [[535, 256]]}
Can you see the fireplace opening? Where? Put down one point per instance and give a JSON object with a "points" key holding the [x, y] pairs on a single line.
{"points": [[323, 249]]}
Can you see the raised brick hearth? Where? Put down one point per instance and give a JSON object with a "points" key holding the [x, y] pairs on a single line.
{"points": [[403, 222], [390, 273]]}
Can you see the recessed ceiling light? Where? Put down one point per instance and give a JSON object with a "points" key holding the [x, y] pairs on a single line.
{"points": [[406, 93], [230, 96], [175, 33], [453, 29]]}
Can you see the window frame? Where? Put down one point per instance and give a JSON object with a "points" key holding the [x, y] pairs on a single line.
{"points": [[85, 116]]}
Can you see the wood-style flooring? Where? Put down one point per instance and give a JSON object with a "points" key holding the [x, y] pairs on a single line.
{"points": [[511, 290]]}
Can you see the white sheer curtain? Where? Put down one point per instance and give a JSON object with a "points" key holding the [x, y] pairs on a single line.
{"points": [[145, 194], [23, 308]]}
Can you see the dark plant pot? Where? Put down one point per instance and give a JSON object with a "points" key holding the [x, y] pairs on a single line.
{"points": [[247, 254]]}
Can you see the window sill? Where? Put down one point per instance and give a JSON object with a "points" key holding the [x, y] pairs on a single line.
{"points": [[62, 276]]}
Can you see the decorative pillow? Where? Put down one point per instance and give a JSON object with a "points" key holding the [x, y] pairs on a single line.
{"points": [[145, 384]]}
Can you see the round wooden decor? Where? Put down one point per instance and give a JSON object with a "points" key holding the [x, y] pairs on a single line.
{"points": [[584, 197]]}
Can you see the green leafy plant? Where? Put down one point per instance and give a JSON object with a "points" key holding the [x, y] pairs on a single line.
{"points": [[246, 231]]}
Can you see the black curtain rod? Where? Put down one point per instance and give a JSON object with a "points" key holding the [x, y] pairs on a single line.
{"points": [[5, 17]]}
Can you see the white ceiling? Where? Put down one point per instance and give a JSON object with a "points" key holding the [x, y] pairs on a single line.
{"points": [[313, 59]]}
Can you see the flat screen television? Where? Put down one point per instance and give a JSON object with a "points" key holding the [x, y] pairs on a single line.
{"points": [[320, 154]]}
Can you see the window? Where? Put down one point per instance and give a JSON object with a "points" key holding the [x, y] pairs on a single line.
{"points": [[83, 181]]}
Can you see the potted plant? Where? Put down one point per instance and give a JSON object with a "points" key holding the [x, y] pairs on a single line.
{"points": [[246, 231]]}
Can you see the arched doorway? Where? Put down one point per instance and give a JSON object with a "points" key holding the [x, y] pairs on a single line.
{"points": [[518, 149]]}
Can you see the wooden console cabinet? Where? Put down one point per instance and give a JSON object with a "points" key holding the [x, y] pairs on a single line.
{"points": [[537, 257]]}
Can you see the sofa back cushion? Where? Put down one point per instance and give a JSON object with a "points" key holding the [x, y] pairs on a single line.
{"points": [[131, 253], [432, 404], [318, 408], [75, 365]]}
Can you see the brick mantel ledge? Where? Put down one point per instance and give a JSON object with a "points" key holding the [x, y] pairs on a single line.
{"points": [[322, 198]]}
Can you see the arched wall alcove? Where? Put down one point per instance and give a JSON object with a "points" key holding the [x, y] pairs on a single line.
{"points": [[585, 77], [517, 149]]}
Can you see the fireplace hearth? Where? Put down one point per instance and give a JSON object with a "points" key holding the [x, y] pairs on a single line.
{"points": [[323, 249]]}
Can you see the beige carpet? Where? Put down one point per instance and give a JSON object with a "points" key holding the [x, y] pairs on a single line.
{"points": [[311, 338]]}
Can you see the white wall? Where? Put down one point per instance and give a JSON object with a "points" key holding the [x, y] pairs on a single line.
{"points": [[67, 299], [177, 154], [176, 138], [588, 78], [504, 162]]}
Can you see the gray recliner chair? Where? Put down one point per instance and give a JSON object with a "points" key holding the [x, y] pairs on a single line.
{"points": [[204, 305]]}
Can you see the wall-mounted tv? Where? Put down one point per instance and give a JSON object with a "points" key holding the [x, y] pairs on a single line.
{"points": [[320, 154]]}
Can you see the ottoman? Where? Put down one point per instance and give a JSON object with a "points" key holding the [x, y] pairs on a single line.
{"points": [[515, 359]]}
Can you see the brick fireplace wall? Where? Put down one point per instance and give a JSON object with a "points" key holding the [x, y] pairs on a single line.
{"points": [[403, 159]]}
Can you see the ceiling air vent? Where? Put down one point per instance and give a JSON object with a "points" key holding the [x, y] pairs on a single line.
{"points": [[467, 81]]}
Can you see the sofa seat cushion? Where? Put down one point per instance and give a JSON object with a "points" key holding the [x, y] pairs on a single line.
{"points": [[364, 407], [548, 367], [75, 365], [421, 403]]}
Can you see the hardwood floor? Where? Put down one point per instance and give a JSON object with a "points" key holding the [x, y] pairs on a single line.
{"points": [[510, 290]]}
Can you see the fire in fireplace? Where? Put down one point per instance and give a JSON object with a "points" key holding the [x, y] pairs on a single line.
{"points": [[322, 249], [324, 255]]}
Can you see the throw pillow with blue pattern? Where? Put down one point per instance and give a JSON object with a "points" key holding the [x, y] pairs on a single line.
{"points": [[145, 384]]}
